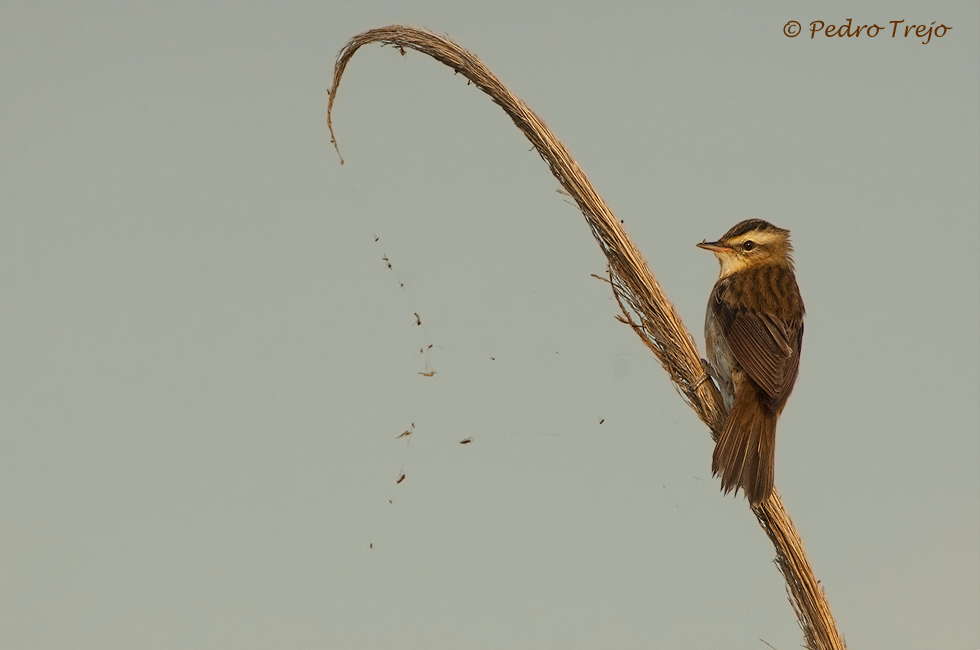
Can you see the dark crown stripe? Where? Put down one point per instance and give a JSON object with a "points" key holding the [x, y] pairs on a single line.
{"points": [[750, 225]]}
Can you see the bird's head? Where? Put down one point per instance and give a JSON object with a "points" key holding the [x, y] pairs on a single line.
{"points": [[751, 243]]}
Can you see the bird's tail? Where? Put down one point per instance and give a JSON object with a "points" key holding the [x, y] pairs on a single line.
{"points": [[745, 453]]}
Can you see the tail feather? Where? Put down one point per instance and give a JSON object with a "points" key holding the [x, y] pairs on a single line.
{"points": [[744, 455]]}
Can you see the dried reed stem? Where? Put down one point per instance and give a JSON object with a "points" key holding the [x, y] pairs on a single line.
{"points": [[644, 306]]}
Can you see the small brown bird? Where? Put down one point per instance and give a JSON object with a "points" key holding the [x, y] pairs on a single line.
{"points": [[753, 331]]}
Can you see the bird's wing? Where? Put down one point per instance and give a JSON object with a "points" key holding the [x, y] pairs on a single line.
{"points": [[767, 348]]}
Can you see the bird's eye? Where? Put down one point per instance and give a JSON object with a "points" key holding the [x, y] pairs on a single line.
{"points": [[749, 245]]}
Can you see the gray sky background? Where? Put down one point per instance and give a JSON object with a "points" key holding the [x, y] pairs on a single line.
{"points": [[206, 361]]}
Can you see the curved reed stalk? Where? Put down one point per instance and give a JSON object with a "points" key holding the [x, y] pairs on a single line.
{"points": [[644, 306]]}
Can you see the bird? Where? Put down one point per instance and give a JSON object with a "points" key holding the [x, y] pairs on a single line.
{"points": [[753, 332]]}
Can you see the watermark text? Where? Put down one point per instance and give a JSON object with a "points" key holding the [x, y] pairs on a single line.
{"points": [[891, 29]]}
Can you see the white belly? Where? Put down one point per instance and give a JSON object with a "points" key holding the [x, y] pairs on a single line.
{"points": [[720, 357]]}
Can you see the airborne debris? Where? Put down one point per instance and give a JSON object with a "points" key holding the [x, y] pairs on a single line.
{"points": [[418, 320], [406, 432], [400, 479], [466, 441]]}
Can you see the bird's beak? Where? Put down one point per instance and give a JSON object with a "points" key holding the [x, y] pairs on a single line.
{"points": [[714, 247]]}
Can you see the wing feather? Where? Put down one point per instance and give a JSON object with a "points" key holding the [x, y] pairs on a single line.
{"points": [[766, 346]]}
